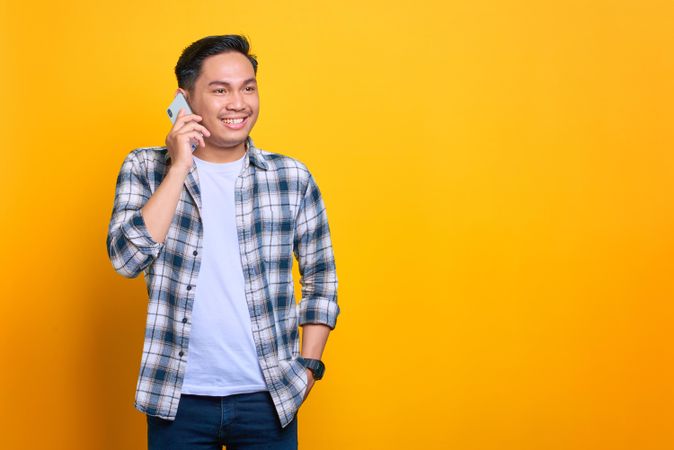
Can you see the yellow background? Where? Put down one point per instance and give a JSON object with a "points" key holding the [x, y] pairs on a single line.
{"points": [[498, 178]]}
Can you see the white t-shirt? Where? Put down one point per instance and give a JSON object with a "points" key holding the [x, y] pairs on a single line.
{"points": [[221, 358]]}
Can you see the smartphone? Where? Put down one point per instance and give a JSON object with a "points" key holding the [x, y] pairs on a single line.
{"points": [[179, 102]]}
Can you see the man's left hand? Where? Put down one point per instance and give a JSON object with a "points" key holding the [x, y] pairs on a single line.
{"points": [[311, 381]]}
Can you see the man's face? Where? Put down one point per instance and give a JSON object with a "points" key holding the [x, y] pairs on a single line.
{"points": [[224, 93]]}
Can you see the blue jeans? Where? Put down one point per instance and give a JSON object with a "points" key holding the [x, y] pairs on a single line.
{"points": [[240, 421]]}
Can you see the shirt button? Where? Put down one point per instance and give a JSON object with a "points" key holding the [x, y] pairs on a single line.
{"points": [[181, 353], [184, 319], [195, 253], [189, 287]]}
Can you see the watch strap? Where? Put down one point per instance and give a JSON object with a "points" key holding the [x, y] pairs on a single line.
{"points": [[315, 365]]}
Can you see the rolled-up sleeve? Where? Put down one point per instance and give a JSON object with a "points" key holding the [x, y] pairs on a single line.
{"points": [[314, 253], [131, 248]]}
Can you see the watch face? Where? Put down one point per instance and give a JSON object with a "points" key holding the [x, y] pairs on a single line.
{"points": [[318, 373], [316, 366]]}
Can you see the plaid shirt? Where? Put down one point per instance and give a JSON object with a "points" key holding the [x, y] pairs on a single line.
{"points": [[279, 212]]}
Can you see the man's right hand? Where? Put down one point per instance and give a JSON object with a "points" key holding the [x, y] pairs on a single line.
{"points": [[185, 130]]}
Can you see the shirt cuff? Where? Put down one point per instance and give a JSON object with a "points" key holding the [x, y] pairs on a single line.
{"points": [[137, 233], [319, 311]]}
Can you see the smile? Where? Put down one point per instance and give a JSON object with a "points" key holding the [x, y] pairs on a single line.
{"points": [[235, 123]]}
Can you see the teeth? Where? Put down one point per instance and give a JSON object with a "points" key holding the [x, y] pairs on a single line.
{"points": [[233, 121]]}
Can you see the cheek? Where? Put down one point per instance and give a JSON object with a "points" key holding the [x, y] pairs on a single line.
{"points": [[255, 103]]}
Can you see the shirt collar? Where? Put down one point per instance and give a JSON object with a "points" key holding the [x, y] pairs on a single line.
{"points": [[253, 155]]}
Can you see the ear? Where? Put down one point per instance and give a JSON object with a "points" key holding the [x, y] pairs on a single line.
{"points": [[179, 90]]}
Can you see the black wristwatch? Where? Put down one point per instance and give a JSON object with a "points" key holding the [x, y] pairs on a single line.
{"points": [[315, 365]]}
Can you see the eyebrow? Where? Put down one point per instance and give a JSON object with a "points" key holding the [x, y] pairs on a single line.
{"points": [[249, 80]]}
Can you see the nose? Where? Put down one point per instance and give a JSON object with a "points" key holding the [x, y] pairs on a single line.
{"points": [[236, 102]]}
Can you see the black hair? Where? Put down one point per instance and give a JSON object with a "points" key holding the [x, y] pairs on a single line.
{"points": [[189, 64]]}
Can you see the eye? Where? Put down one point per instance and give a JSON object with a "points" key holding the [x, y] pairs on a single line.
{"points": [[250, 88], [219, 91]]}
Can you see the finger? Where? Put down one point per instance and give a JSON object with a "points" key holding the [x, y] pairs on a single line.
{"points": [[194, 136], [183, 118], [201, 139], [197, 138], [197, 127], [191, 116], [193, 126], [183, 114]]}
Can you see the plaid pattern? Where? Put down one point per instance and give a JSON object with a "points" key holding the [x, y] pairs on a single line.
{"points": [[279, 212]]}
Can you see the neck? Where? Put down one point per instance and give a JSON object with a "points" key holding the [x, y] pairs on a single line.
{"points": [[214, 154]]}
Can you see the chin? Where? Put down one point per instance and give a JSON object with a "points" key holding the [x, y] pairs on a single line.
{"points": [[232, 142]]}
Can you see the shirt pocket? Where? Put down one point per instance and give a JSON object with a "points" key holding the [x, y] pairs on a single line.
{"points": [[278, 232]]}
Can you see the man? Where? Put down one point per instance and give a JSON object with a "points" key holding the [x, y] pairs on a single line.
{"points": [[214, 232]]}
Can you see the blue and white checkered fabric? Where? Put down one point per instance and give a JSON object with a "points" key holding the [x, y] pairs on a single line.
{"points": [[279, 212]]}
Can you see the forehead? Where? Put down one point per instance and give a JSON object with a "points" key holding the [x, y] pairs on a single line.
{"points": [[231, 66]]}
